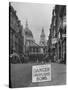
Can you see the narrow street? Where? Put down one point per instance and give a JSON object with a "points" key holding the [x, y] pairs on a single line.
{"points": [[36, 41], [21, 75]]}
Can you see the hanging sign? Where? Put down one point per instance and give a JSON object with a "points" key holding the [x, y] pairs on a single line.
{"points": [[54, 40]]}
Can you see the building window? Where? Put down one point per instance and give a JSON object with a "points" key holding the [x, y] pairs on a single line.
{"points": [[64, 22]]}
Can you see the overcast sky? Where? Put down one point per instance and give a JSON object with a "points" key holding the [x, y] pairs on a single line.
{"points": [[38, 16]]}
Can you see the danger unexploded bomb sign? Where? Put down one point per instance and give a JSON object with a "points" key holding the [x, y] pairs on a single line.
{"points": [[41, 73]]}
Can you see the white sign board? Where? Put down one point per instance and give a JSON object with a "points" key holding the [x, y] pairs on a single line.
{"points": [[63, 35], [41, 73]]}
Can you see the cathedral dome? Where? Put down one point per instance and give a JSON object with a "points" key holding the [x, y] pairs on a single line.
{"points": [[27, 31], [43, 41]]}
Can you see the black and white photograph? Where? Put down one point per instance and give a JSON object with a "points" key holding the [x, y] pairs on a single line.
{"points": [[37, 44]]}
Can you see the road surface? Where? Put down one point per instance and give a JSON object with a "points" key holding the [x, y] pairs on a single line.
{"points": [[21, 75]]}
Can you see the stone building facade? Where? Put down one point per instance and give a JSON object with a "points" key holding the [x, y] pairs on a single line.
{"points": [[16, 38], [57, 36]]}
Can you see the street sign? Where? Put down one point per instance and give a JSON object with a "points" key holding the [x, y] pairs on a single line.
{"points": [[41, 73], [63, 35]]}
